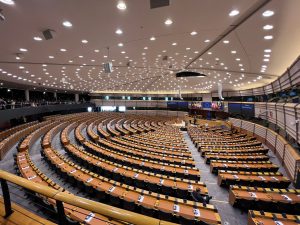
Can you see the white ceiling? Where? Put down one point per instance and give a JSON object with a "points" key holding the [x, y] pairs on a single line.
{"points": [[97, 21]]}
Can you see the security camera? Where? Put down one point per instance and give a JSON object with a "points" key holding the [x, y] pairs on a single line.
{"points": [[2, 17]]}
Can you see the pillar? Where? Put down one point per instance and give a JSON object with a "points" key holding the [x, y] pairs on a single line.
{"points": [[27, 95], [76, 97]]}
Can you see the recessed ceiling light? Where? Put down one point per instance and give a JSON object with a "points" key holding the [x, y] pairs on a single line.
{"points": [[37, 38], [96, 50], [267, 50], [238, 59], [23, 49], [207, 40], [234, 13], [80, 56], [268, 37], [266, 60], [225, 41], [268, 13], [152, 38], [194, 33], [21, 67], [119, 31], [233, 52], [123, 52], [174, 43], [268, 27], [63, 50], [209, 53], [267, 55], [8, 2], [67, 24], [51, 57], [121, 5], [168, 21], [84, 41]]}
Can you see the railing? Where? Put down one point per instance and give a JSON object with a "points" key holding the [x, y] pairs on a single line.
{"points": [[62, 197], [35, 104]]}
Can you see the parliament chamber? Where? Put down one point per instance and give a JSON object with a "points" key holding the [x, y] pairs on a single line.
{"points": [[149, 112]]}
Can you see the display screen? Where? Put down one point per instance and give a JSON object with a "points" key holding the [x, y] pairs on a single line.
{"points": [[246, 110], [206, 105], [177, 105], [218, 106]]}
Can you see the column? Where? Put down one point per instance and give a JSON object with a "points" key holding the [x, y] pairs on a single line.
{"points": [[76, 97], [27, 95]]}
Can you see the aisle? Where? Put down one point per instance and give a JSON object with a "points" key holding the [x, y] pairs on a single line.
{"points": [[229, 215]]}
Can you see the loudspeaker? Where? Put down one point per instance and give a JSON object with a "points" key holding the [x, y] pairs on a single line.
{"points": [[48, 34], [159, 3], [107, 67]]}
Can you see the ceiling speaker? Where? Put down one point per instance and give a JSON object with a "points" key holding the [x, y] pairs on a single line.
{"points": [[48, 34], [107, 67], [159, 3]]}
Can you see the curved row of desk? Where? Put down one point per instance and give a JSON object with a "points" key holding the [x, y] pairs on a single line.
{"points": [[126, 170], [242, 164]]}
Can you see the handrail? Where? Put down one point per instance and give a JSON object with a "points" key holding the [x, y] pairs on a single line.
{"points": [[100, 208]]}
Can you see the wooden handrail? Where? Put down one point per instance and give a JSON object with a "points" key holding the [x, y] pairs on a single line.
{"points": [[103, 209]]}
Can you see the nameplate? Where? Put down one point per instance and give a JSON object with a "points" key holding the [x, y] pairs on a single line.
{"points": [[225, 165], [89, 180], [176, 208], [22, 159], [73, 171], [136, 175], [140, 198], [24, 168], [142, 163], [115, 169], [186, 172], [52, 157], [287, 198], [261, 177], [89, 217], [274, 178], [161, 181], [162, 168], [235, 176], [246, 166], [190, 187], [61, 163], [98, 163], [197, 212], [30, 178], [253, 195], [112, 188], [278, 223]]}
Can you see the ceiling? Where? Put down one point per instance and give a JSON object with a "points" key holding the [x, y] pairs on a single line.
{"points": [[138, 64]]}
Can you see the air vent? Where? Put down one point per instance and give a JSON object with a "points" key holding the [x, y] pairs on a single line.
{"points": [[159, 3]]}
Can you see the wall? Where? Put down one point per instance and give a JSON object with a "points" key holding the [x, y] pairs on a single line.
{"points": [[157, 112], [8, 114], [289, 157]]}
